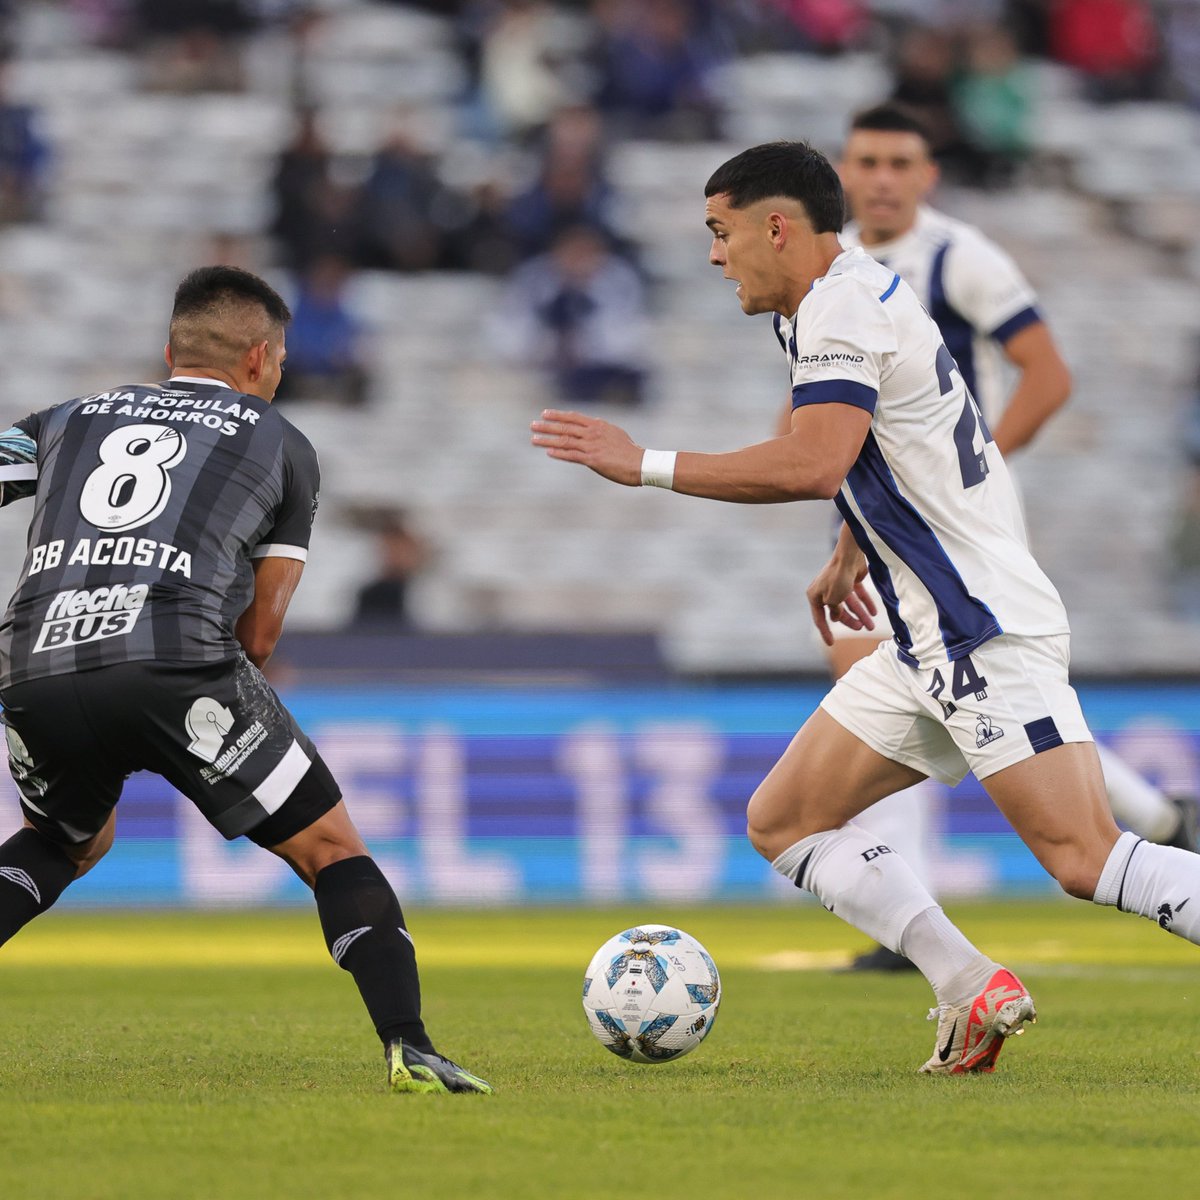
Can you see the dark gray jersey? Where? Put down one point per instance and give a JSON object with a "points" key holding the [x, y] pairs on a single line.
{"points": [[149, 504]]}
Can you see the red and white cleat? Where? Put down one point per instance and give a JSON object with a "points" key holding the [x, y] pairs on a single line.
{"points": [[970, 1036]]}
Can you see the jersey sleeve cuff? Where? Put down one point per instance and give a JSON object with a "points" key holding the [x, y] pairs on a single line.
{"points": [[279, 550], [835, 391], [17, 471], [1014, 325]]}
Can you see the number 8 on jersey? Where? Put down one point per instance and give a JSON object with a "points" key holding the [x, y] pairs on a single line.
{"points": [[131, 486]]}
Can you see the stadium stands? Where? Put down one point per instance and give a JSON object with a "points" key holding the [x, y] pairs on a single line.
{"points": [[1103, 225]]}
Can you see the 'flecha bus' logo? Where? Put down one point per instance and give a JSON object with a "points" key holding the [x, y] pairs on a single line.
{"points": [[89, 615]]}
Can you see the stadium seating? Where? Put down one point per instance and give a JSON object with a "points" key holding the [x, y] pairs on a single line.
{"points": [[144, 180]]}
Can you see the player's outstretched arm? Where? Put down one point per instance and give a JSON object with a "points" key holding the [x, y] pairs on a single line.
{"points": [[18, 465], [259, 627], [808, 463]]}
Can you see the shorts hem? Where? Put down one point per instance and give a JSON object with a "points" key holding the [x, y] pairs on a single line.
{"points": [[843, 633], [313, 797], [912, 761], [1020, 754], [54, 830]]}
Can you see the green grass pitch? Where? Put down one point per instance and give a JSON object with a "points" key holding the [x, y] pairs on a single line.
{"points": [[224, 1056]]}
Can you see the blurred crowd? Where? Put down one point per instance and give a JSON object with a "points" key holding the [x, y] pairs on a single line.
{"points": [[548, 86], [547, 89]]}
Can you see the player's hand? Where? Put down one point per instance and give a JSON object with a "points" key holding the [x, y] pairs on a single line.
{"points": [[838, 591], [604, 447]]}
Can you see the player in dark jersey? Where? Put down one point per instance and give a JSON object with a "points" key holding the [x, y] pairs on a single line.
{"points": [[170, 527]]}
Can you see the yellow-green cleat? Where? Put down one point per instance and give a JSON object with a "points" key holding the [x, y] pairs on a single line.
{"points": [[411, 1070]]}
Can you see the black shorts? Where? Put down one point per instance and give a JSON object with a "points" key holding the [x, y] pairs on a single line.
{"points": [[216, 731]]}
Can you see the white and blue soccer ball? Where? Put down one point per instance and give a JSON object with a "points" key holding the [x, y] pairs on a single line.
{"points": [[651, 994]]}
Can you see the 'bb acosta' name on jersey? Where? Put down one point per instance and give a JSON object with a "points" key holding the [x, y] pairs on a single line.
{"points": [[210, 411], [111, 551]]}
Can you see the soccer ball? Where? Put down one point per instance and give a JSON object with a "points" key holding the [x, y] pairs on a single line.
{"points": [[651, 994]]}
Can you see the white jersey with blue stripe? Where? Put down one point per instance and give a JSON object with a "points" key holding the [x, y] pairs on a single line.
{"points": [[929, 499], [974, 291]]}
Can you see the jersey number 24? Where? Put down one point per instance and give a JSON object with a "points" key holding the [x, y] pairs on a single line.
{"points": [[971, 462]]}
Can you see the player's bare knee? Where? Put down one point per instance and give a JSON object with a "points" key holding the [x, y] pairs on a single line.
{"points": [[1076, 861], [1078, 880], [308, 861], [761, 841], [87, 854], [329, 839], [771, 828], [1075, 886], [761, 830], [1074, 869]]}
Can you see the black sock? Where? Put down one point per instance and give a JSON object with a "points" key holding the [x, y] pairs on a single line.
{"points": [[34, 872], [364, 930]]}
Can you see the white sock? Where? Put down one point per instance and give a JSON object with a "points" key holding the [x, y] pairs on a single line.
{"points": [[1161, 883], [956, 970], [1136, 803], [904, 821], [859, 879]]}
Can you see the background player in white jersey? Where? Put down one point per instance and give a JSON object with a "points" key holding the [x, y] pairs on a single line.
{"points": [[989, 319], [976, 676]]}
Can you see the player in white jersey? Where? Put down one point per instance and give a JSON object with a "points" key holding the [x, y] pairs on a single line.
{"points": [[990, 322], [976, 678]]}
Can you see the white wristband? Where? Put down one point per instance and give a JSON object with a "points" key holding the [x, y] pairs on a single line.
{"points": [[658, 468]]}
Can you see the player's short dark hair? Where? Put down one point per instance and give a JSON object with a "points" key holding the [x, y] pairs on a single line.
{"points": [[791, 169], [208, 289], [220, 312], [891, 118]]}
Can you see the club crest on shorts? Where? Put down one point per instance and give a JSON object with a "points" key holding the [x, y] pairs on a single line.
{"points": [[985, 731]]}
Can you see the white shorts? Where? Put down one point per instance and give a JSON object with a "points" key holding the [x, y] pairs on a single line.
{"points": [[1006, 702]]}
